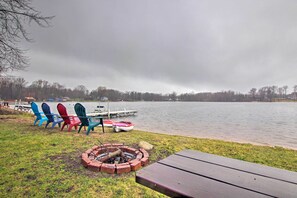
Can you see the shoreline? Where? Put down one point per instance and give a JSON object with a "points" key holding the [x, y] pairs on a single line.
{"points": [[231, 140], [220, 139]]}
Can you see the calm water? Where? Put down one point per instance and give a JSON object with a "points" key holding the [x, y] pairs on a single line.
{"points": [[263, 123]]}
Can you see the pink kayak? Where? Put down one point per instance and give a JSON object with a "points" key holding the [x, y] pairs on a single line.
{"points": [[122, 126], [108, 123]]}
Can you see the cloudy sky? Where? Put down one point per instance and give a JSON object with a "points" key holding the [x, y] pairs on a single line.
{"points": [[165, 45]]}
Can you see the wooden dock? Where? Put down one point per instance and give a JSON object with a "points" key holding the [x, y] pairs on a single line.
{"points": [[112, 114], [21, 107]]}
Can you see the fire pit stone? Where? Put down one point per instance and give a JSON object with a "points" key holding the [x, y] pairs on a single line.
{"points": [[108, 168], [114, 158], [123, 168], [95, 166]]}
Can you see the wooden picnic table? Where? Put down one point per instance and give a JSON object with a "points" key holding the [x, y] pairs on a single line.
{"points": [[195, 174]]}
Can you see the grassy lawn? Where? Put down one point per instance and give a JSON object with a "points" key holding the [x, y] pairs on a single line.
{"points": [[46, 162]]}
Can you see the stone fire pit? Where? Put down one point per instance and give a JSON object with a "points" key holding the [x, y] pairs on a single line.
{"points": [[114, 158]]}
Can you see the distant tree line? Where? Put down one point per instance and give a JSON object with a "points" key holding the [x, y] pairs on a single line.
{"points": [[17, 88]]}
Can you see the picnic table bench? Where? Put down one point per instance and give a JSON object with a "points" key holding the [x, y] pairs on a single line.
{"points": [[196, 174]]}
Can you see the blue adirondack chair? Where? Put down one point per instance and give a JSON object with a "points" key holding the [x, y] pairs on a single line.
{"points": [[39, 115], [52, 118], [90, 122]]}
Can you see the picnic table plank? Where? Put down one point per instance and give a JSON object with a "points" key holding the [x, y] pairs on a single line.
{"points": [[287, 176], [257, 183], [196, 174], [177, 183]]}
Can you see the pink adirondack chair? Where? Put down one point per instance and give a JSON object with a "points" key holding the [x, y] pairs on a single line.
{"points": [[69, 121]]}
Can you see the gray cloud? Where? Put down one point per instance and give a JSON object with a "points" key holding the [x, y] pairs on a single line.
{"points": [[166, 45]]}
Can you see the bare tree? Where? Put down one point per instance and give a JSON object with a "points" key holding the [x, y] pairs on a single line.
{"points": [[14, 14], [295, 91], [253, 92], [280, 91], [274, 90], [80, 91], [285, 90]]}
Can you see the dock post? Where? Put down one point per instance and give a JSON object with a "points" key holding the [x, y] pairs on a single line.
{"points": [[108, 114]]}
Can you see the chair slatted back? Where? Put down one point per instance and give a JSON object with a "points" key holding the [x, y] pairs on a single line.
{"points": [[81, 114], [47, 111], [35, 110], [63, 113]]}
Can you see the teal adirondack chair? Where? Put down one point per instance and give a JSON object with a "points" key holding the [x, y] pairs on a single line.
{"points": [[39, 114], [90, 122]]}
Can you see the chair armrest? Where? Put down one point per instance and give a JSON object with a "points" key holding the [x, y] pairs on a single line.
{"points": [[56, 115], [95, 118], [82, 117], [72, 116]]}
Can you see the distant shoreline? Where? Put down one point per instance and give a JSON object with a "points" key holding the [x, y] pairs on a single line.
{"points": [[12, 102]]}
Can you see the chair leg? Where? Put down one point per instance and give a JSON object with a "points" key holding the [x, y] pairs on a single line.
{"points": [[88, 131], [79, 128], [40, 123], [70, 127], [101, 120], [46, 124], [63, 126], [35, 121]]}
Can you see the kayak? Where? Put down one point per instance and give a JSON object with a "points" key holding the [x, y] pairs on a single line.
{"points": [[108, 123], [122, 126]]}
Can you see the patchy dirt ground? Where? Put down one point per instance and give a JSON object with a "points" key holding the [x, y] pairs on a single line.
{"points": [[7, 114], [73, 165], [7, 111], [72, 162]]}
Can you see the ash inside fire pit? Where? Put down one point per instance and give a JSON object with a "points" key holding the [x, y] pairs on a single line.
{"points": [[114, 158]]}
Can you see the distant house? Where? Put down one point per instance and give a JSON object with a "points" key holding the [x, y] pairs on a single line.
{"points": [[59, 100], [66, 99], [104, 98], [29, 99]]}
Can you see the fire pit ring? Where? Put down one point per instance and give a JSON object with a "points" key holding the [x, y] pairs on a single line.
{"points": [[114, 158]]}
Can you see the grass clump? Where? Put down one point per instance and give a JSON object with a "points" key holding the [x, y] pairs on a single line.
{"points": [[46, 162]]}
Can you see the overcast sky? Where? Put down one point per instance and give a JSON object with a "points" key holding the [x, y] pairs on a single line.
{"points": [[166, 45]]}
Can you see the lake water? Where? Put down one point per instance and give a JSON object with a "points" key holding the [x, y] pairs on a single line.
{"points": [[261, 123]]}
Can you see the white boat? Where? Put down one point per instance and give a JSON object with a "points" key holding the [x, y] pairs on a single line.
{"points": [[99, 109], [122, 126]]}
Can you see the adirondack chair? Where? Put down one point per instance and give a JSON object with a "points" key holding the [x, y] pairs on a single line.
{"points": [[69, 121], [90, 122], [39, 115], [52, 118]]}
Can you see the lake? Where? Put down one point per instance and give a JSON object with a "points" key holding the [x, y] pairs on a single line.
{"points": [[261, 123]]}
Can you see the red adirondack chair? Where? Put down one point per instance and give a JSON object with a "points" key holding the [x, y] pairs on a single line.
{"points": [[69, 121]]}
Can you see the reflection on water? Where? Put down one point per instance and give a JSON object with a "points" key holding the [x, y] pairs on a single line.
{"points": [[264, 123]]}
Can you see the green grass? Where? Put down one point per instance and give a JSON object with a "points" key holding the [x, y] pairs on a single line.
{"points": [[46, 163]]}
